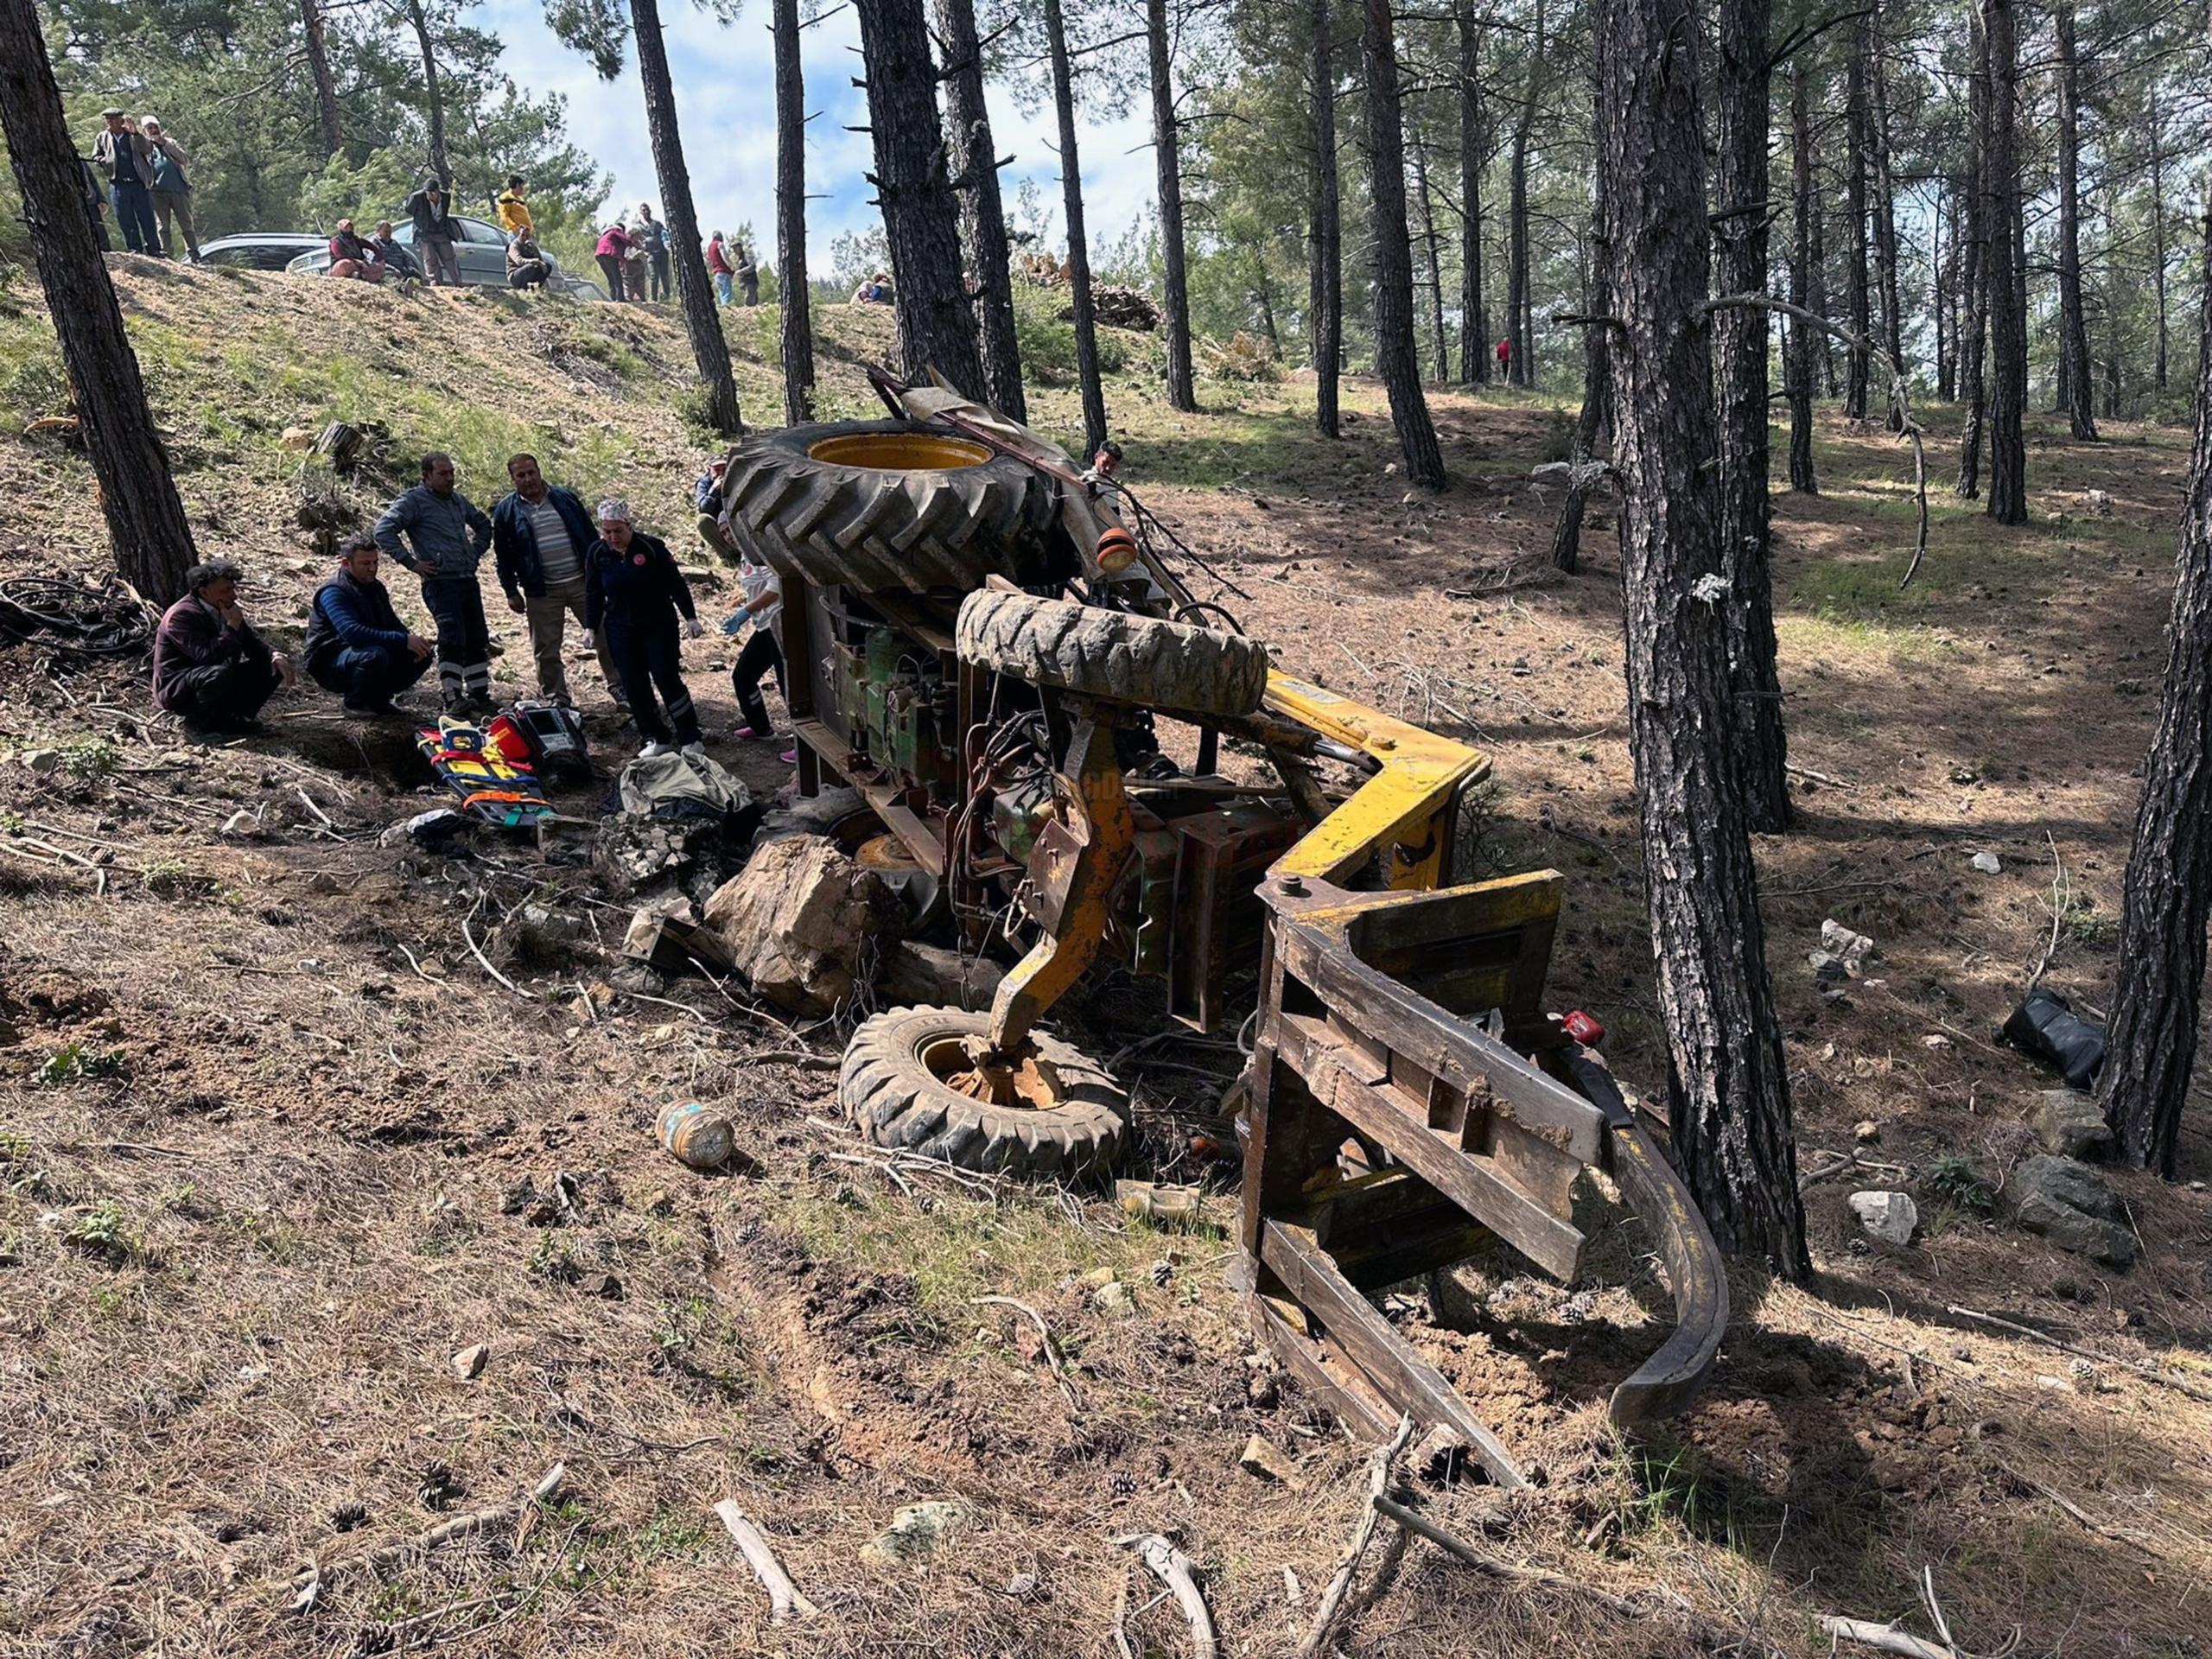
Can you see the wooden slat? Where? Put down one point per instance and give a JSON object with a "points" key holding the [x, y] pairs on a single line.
{"points": [[1439, 1041], [1470, 1180], [1367, 1340], [1325, 1374]]}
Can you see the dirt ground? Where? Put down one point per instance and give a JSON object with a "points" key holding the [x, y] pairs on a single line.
{"points": [[265, 1120]]}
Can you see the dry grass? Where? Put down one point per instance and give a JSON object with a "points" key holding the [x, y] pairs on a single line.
{"points": [[262, 1198]]}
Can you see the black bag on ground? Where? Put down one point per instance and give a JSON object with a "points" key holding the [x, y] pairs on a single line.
{"points": [[2046, 1026]]}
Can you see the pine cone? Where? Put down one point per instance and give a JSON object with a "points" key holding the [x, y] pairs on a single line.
{"points": [[438, 1487], [349, 1515]]}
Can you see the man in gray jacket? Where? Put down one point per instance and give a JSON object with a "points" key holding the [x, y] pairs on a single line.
{"points": [[444, 538]]}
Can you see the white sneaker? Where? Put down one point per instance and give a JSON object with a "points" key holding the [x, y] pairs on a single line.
{"points": [[652, 749], [695, 751]]}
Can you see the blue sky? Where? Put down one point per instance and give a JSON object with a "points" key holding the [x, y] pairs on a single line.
{"points": [[725, 95]]}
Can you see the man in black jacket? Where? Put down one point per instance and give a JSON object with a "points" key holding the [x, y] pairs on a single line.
{"points": [[356, 644], [539, 536], [434, 230]]}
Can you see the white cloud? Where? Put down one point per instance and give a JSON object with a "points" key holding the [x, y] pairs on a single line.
{"points": [[726, 105]]}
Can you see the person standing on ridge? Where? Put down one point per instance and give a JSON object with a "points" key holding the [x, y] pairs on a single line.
{"points": [[653, 236], [122, 153], [172, 189], [1504, 358], [434, 230], [514, 205], [718, 266]]}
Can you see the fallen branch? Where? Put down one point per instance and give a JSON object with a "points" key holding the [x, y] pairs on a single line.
{"points": [[1887, 1637], [469, 939], [1332, 1609], [1173, 1568], [1459, 1549], [785, 1603], [2061, 901], [1052, 1349], [2149, 1374], [307, 1584], [799, 1058]]}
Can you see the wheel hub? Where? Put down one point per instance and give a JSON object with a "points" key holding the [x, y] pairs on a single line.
{"points": [[971, 1066]]}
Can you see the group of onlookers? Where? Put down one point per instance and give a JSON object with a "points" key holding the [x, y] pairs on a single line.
{"points": [[554, 560], [147, 185], [433, 257]]}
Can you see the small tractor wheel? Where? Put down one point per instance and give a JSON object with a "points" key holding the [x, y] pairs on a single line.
{"points": [[911, 1079], [887, 506], [1169, 666]]}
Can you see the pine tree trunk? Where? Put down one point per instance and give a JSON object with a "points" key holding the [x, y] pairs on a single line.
{"points": [[1263, 296], [1860, 138], [1590, 429], [332, 135], [1325, 287], [1086, 325], [1397, 358], [1443, 353], [1729, 1089], [2076, 382], [433, 93], [1797, 361], [983, 209], [695, 295], [1174, 287], [2150, 1044], [1474, 325], [2159, 246], [2112, 306], [2008, 334], [913, 183], [1741, 357], [146, 524], [1520, 370], [1885, 209], [1825, 342], [793, 296], [1977, 264], [1941, 259]]}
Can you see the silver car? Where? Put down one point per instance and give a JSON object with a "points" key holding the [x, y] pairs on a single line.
{"points": [[479, 248]]}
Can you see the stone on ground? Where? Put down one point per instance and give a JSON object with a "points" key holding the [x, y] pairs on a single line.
{"points": [[916, 1532], [2069, 1204], [803, 923], [2068, 1122], [915, 973], [1889, 1217]]}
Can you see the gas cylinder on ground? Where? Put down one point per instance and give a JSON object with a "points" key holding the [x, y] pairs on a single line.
{"points": [[697, 1133]]}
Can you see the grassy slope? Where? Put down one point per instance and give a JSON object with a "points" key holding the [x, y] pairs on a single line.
{"points": [[259, 1202]]}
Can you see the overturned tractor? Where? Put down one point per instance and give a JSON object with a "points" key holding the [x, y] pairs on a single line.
{"points": [[1033, 706]]}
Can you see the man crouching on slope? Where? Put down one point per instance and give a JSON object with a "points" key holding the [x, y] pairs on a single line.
{"points": [[356, 644], [210, 667]]}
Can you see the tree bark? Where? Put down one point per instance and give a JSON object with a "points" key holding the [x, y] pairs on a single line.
{"points": [[982, 208], [2158, 244], [1443, 353], [325, 84], [1740, 356], [2008, 335], [1885, 207], [797, 331], [1797, 361], [1977, 264], [1590, 429], [1086, 325], [1397, 358], [146, 524], [695, 295], [1474, 322], [1325, 287], [1521, 370], [1174, 286], [433, 93], [2078, 385], [2151, 1046], [1825, 342], [913, 186], [1941, 259], [1860, 139], [1729, 1089]]}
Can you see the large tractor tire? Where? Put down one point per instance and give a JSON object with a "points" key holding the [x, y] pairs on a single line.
{"points": [[889, 506], [1169, 666], [1068, 1119]]}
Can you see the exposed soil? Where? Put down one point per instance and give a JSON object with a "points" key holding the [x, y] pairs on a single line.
{"points": [[266, 1122]]}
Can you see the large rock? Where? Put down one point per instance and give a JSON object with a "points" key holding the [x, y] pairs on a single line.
{"points": [[2069, 1204], [802, 923], [2068, 1122], [915, 973], [1889, 1216]]}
